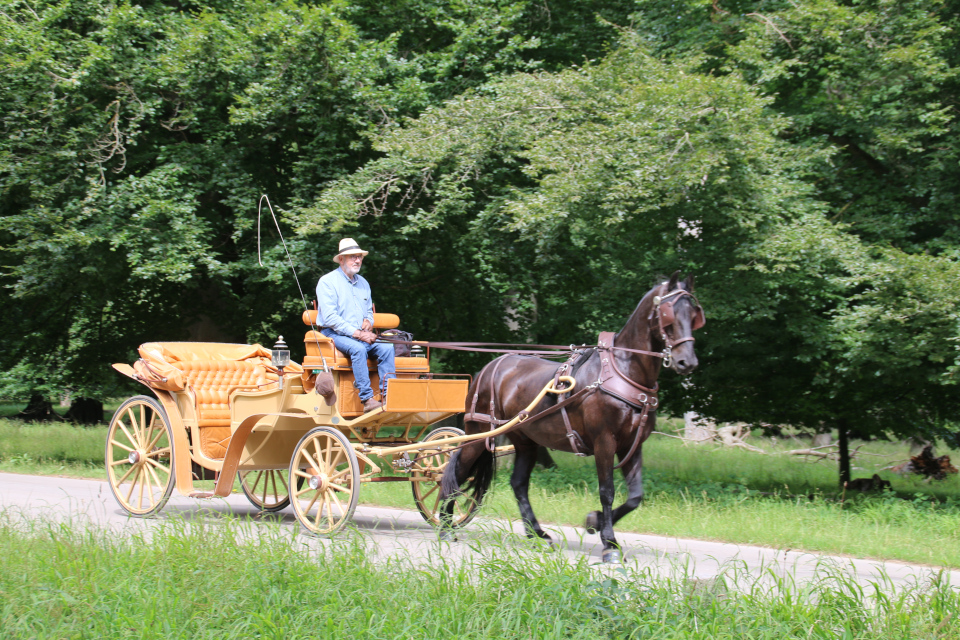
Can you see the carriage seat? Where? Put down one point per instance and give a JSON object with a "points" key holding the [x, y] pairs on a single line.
{"points": [[318, 344], [212, 371]]}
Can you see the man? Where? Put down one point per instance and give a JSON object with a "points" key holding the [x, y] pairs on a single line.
{"points": [[346, 315]]}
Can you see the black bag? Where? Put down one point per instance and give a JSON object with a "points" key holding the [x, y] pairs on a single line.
{"points": [[399, 350]]}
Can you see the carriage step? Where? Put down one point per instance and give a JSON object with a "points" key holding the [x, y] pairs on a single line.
{"points": [[202, 494]]}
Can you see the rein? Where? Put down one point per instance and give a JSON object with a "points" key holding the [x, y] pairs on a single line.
{"points": [[611, 380]]}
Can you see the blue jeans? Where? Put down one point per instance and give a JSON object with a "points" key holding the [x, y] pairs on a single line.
{"points": [[358, 352]]}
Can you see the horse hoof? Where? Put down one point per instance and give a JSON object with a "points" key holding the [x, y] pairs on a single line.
{"points": [[612, 556], [446, 535], [593, 522]]}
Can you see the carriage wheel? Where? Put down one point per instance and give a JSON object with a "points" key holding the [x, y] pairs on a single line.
{"points": [[427, 473], [139, 456], [327, 466], [266, 489]]}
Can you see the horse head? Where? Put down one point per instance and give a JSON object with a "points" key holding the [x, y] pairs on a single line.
{"points": [[676, 315]]}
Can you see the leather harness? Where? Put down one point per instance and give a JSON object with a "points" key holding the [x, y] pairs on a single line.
{"points": [[611, 380]]}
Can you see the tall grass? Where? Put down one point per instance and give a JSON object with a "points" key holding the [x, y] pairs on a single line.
{"points": [[260, 581], [691, 491]]}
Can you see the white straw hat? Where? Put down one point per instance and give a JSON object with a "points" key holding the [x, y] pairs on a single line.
{"points": [[349, 247]]}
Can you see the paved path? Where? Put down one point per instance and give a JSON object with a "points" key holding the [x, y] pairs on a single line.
{"points": [[399, 533]]}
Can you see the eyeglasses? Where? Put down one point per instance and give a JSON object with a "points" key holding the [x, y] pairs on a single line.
{"points": [[353, 258]]}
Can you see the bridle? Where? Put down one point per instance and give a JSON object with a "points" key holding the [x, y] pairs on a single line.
{"points": [[663, 308]]}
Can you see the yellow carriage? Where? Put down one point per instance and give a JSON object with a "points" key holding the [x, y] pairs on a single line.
{"points": [[220, 411]]}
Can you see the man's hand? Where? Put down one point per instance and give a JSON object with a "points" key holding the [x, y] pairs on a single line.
{"points": [[365, 336], [366, 326]]}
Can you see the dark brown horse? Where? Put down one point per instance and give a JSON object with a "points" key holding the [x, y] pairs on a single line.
{"points": [[611, 412]]}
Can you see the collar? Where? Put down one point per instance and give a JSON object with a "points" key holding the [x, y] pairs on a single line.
{"points": [[347, 278]]}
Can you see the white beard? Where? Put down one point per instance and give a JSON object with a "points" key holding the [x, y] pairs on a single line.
{"points": [[350, 269]]}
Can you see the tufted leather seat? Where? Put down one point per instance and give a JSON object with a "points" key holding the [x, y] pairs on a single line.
{"points": [[212, 382], [212, 371]]}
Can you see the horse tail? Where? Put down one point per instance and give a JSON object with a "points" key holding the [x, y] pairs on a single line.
{"points": [[483, 471]]}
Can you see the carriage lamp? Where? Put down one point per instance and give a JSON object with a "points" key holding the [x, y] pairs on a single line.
{"points": [[280, 357]]}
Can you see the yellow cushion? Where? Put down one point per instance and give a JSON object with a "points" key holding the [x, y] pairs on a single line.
{"points": [[380, 320]]}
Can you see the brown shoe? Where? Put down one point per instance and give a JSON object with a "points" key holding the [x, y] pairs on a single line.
{"points": [[371, 404]]}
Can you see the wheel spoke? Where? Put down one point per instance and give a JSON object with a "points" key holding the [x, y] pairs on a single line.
{"points": [[303, 491], [253, 487], [312, 502], [340, 454], [428, 493], [319, 454], [266, 486], [313, 464], [329, 511], [146, 486], [134, 426], [340, 474], [158, 466], [122, 446], [133, 468], [154, 442], [123, 428], [320, 508], [156, 454], [148, 432], [341, 488], [335, 500], [286, 489], [133, 483], [301, 474]]}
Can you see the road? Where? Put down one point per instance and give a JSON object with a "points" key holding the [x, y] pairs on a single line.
{"points": [[394, 532]]}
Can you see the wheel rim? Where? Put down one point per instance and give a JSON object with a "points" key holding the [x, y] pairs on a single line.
{"points": [[266, 489], [327, 467], [427, 473], [139, 456]]}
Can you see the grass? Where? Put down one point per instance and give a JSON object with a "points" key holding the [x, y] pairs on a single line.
{"points": [[691, 491], [239, 580]]}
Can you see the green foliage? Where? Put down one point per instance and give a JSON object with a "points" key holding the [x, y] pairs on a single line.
{"points": [[137, 139], [519, 170], [234, 581]]}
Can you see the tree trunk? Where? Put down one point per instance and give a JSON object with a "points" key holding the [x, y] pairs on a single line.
{"points": [[39, 409], [844, 451], [697, 429], [822, 439], [85, 411]]}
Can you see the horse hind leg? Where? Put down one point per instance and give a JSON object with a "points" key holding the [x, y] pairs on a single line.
{"points": [[526, 458], [473, 460]]}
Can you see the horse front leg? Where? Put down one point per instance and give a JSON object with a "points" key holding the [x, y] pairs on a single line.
{"points": [[633, 474], [603, 456], [525, 460]]}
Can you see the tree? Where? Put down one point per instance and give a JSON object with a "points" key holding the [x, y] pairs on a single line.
{"points": [[138, 137], [577, 185]]}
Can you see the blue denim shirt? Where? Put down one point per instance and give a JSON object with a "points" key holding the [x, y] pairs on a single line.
{"points": [[344, 303]]}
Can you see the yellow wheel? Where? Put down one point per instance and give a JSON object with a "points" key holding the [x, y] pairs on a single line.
{"points": [[266, 489], [139, 456], [427, 472], [325, 463]]}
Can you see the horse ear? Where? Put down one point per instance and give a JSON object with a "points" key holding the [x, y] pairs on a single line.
{"points": [[673, 281], [688, 283]]}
